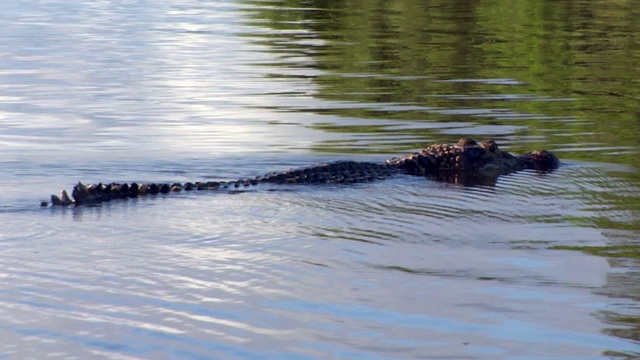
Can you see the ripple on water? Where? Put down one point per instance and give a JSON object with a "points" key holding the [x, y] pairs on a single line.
{"points": [[406, 268], [329, 267]]}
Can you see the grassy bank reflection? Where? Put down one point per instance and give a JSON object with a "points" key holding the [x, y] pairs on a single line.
{"points": [[559, 75]]}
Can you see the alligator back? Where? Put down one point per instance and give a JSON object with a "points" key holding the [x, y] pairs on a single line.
{"points": [[339, 172]]}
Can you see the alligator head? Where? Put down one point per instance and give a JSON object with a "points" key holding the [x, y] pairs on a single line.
{"points": [[469, 156]]}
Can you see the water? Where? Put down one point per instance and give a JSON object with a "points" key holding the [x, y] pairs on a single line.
{"points": [[535, 266]]}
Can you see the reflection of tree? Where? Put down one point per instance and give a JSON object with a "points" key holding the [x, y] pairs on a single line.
{"points": [[428, 53], [567, 68], [625, 286]]}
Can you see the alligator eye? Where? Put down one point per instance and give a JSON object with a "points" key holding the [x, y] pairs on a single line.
{"points": [[466, 142], [490, 145]]}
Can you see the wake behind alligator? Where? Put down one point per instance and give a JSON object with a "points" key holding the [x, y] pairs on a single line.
{"points": [[467, 159]]}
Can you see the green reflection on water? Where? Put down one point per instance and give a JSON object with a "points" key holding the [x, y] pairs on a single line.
{"points": [[393, 76], [622, 285], [548, 74], [616, 251]]}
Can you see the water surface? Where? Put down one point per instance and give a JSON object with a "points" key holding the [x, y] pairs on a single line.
{"points": [[533, 266]]}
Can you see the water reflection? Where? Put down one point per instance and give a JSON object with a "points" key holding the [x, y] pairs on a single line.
{"points": [[398, 75], [544, 265], [540, 65]]}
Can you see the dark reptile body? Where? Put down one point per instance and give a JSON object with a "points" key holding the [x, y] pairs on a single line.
{"points": [[465, 160]]}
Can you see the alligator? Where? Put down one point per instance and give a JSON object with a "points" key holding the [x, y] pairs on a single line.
{"points": [[467, 159]]}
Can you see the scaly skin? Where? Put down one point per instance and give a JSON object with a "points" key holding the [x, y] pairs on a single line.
{"points": [[467, 161], [470, 157]]}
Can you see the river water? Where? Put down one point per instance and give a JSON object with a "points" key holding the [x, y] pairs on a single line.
{"points": [[533, 266]]}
